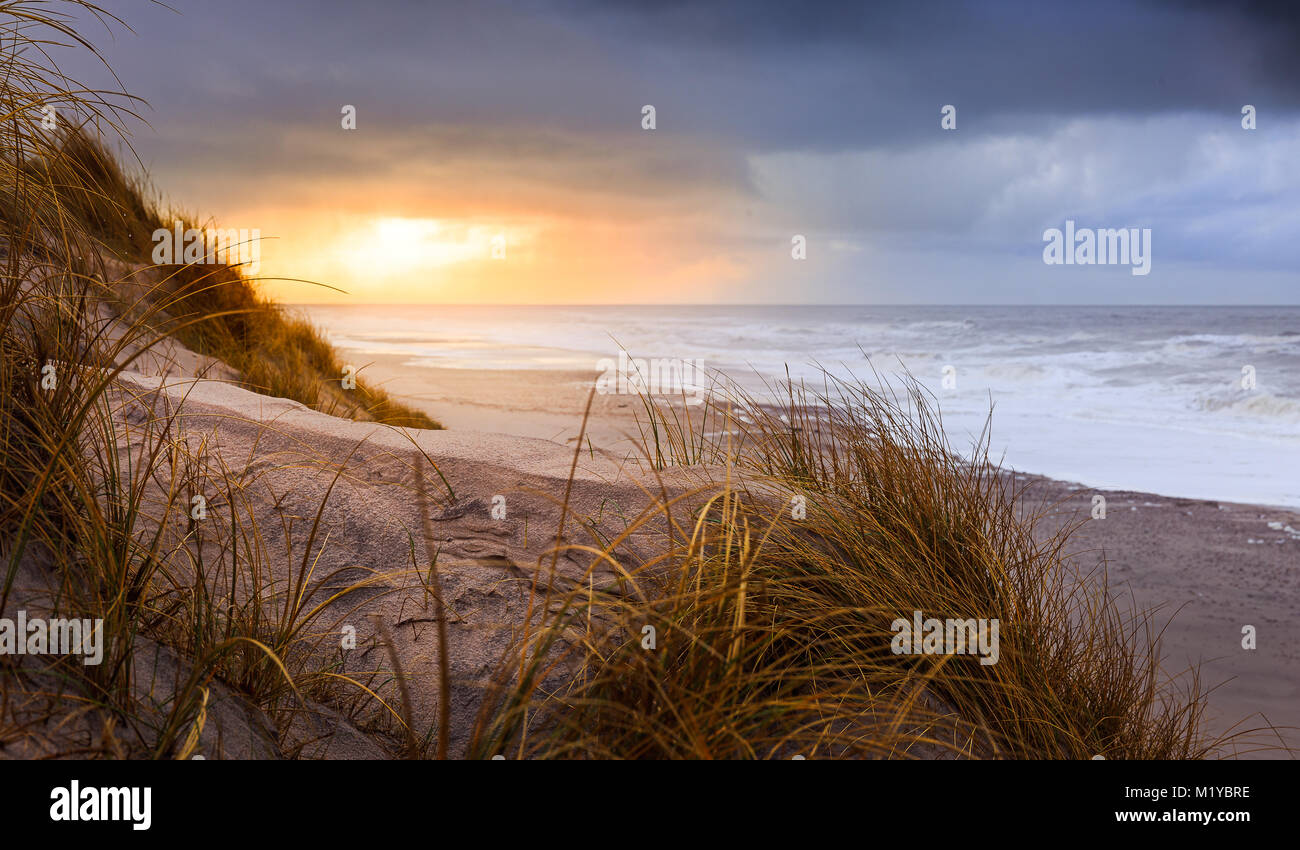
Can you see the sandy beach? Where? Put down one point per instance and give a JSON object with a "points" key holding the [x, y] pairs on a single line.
{"points": [[494, 484], [1210, 568]]}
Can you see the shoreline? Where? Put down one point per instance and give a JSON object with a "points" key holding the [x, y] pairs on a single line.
{"points": [[515, 402], [1213, 566]]}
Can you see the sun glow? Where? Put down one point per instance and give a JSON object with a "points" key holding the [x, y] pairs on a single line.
{"points": [[391, 247], [477, 255]]}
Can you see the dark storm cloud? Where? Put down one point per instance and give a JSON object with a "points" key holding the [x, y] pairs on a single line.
{"points": [[768, 75], [825, 74]]}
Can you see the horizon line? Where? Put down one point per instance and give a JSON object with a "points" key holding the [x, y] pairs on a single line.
{"points": [[730, 304]]}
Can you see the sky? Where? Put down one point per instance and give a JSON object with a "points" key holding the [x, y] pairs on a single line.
{"points": [[520, 127]]}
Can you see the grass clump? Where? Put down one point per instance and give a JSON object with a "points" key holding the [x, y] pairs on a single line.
{"points": [[217, 312], [213, 308], [763, 627]]}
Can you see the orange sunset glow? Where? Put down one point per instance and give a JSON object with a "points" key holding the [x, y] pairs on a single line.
{"points": [[509, 259]]}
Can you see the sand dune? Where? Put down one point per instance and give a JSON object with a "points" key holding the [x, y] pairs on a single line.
{"points": [[286, 458]]}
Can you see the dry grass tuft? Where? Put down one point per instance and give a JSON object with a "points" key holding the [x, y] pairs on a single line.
{"points": [[772, 626]]}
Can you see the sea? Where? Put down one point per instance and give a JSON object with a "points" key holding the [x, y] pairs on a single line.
{"points": [[1195, 402]]}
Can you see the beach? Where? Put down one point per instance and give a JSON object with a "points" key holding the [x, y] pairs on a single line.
{"points": [[365, 505], [1210, 567]]}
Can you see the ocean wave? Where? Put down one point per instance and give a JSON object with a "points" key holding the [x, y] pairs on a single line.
{"points": [[1016, 372], [1256, 405], [1192, 341], [936, 325]]}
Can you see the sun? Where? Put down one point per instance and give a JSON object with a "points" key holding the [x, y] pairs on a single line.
{"points": [[396, 246]]}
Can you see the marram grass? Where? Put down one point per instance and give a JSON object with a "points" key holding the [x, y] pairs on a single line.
{"points": [[754, 634]]}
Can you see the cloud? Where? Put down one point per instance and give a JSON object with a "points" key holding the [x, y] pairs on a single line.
{"points": [[773, 118], [1209, 190]]}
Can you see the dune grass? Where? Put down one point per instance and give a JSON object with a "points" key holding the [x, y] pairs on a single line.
{"points": [[97, 482], [763, 627], [213, 308]]}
